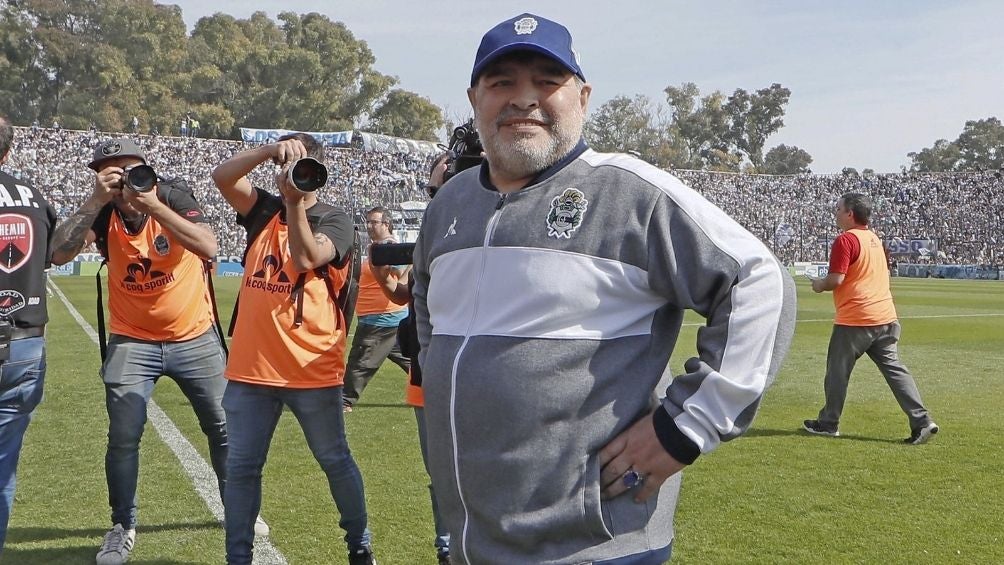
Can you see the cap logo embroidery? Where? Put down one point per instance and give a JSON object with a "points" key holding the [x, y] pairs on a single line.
{"points": [[525, 26], [111, 148], [566, 213]]}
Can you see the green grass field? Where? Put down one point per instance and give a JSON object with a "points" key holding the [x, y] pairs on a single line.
{"points": [[776, 495]]}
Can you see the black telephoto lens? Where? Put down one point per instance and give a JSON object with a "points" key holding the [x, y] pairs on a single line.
{"points": [[140, 178], [308, 174]]}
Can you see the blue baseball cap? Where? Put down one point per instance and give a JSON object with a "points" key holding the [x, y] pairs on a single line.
{"points": [[531, 33]]}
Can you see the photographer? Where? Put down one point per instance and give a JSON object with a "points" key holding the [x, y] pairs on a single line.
{"points": [[375, 338], [289, 336], [155, 239]]}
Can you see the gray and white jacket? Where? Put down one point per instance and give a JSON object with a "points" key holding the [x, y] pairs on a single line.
{"points": [[547, 318]]}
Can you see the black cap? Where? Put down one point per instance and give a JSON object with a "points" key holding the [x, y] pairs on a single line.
{"points": [[113, 148]]}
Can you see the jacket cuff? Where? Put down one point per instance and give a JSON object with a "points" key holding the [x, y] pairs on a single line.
{"points": [[675, 442]]}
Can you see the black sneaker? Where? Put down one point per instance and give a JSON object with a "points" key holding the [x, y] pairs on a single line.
{"points": [[444, 558], [362, 556], [814, 427], [922, 434]]}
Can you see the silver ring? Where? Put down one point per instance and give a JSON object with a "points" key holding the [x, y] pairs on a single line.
{"points": [[632, 478]]}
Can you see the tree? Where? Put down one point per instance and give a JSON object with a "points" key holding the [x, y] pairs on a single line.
{"points": [[309, 74], [755, 117], [786, 160], [699, 129], [623, 124], [406, 114], [980, 146], [944, 155], [849, 172]]}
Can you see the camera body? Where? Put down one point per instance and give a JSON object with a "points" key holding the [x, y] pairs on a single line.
{"points": [[141, 178], [464, 148], [390, 254]]}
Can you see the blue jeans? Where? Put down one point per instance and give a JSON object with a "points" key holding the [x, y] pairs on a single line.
{"points": [[653, 557], [253, 413], [130, 372], [442, 541], [21, 379]]}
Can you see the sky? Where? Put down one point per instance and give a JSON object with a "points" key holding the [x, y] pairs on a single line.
{"points": [[870, 80]]}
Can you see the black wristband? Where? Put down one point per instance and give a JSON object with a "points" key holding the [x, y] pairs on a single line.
{"points": [[681, 447]]}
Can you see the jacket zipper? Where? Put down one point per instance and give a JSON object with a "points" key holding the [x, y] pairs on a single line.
{"points": [[492, 223]]}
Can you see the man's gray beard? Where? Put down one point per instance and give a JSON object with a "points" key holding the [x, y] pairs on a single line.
{"points": [[527, 156]]}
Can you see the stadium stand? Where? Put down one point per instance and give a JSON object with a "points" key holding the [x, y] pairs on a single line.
{"points": [[960, 212]]}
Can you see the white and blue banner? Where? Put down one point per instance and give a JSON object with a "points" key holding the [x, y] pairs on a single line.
{"points": [[914, 247], [390, 144], [326, 138]]}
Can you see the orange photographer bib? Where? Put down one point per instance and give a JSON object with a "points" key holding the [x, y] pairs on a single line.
{"points": [[157, 288], [864, 298], [268, 347], [371, 298]]}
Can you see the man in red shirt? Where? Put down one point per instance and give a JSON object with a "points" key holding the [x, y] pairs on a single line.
{"points": [[865, 322]]}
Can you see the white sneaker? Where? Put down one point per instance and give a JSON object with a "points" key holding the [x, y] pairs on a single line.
{"points": [[260, 527], [116, 546], [921, 435]]}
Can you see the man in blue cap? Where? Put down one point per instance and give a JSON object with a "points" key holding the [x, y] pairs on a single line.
{"points": [[551, 284]]}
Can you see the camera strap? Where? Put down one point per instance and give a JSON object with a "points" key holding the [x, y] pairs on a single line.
{"points": [[102, 338], [207, 267], [345, 298]]}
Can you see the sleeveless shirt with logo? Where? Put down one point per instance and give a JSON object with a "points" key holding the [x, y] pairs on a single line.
{"points": [[157, 288], [268, 347], [864, 298]]}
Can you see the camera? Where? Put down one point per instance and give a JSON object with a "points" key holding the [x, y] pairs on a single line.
{"points": [[308, 174], [464, 148], [141, 178], [386, 254]]}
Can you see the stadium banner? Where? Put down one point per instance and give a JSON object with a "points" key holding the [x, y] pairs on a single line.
{"points": [[912, 247], [326, 138], [229, 269], [389, 144], [814, 269], [968, 272], [69, 269]]}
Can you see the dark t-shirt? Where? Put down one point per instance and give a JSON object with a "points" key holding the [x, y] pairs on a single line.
{"points": [[26, 225]]}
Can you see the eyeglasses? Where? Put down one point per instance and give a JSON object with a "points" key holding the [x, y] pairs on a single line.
{"points": [[374, 222]]}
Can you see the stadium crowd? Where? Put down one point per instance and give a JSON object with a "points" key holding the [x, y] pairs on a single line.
{"points": [[960, 212]]}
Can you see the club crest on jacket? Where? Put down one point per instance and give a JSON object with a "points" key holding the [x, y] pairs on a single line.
{"points": [[566, 213]]}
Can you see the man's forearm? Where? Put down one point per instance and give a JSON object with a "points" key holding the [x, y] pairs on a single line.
{"points": [[306, 249], [227, 173], [197, 238], [71, 234]]}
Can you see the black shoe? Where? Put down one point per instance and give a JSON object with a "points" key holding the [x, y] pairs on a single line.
{"points": [[362, 556], [444, 558], [922, 434], [814, 427]]}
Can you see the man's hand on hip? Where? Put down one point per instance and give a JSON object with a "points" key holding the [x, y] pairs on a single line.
{"points": [[635, 459]]}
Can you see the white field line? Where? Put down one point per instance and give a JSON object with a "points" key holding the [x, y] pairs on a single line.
{"points": [[200, 473]]}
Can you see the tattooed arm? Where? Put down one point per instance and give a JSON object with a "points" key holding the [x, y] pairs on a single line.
{"points": [[74, 233]]}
